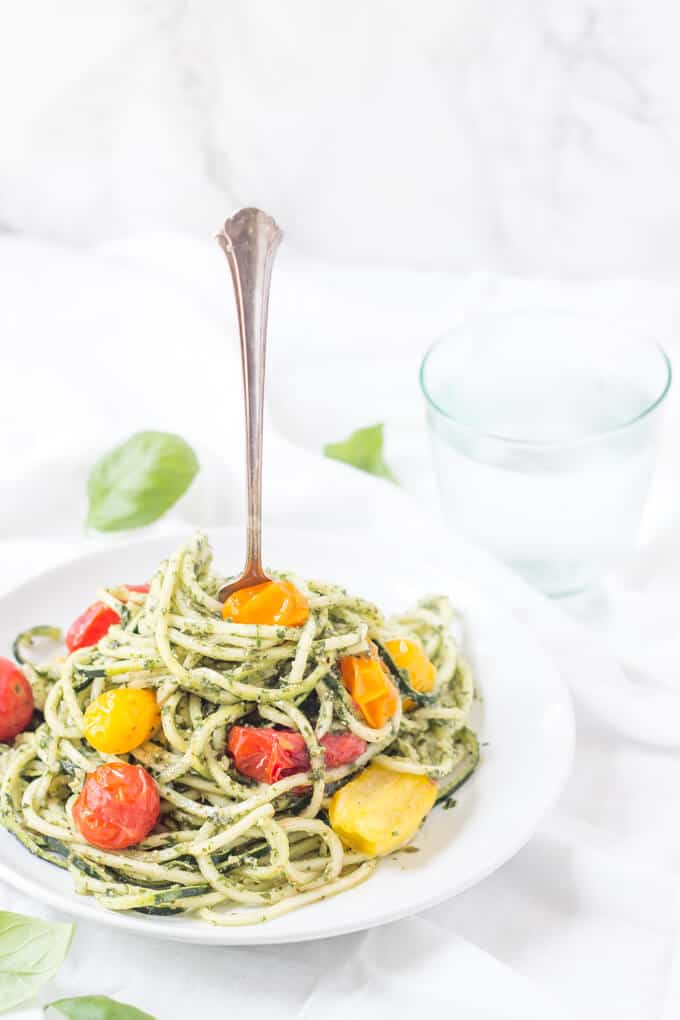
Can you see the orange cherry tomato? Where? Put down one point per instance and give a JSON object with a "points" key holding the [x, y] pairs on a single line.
{"points": [[91, 626], [277, 603], [368, 681], [408, 655], [118, 806], [16, 701]]}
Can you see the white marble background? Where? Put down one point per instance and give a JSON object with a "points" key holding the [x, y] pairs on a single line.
{"points": [[523, 136]]}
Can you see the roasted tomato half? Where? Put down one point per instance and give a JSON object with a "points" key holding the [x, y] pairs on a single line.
{"points": [[268, 755]]}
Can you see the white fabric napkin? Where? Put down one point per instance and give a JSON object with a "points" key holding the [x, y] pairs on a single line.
{"points": [[141, 335]]}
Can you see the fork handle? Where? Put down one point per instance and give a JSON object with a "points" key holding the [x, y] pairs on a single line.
{"points": [[249, 240]]}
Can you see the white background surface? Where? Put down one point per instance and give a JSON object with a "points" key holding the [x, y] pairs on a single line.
{"points": [[418, 159], [537, 136]]}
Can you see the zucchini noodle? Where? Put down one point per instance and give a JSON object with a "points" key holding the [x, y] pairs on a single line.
{"points": [[229, 849]]}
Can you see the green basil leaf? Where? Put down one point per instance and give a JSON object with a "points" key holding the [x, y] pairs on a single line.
{"points": [[363, 450], [98, 1007], [31, 952], [137, 482]]}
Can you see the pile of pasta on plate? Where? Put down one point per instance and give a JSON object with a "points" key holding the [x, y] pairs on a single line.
{"points": [[237, 760]]}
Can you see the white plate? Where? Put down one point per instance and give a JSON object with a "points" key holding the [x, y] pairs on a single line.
{"points": [[524, 720]]}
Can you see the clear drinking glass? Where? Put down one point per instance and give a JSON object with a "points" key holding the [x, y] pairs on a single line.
{"points": [[543, 428]]}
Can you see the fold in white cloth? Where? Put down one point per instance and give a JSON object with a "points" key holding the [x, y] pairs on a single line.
{"points": [[582, 922]]}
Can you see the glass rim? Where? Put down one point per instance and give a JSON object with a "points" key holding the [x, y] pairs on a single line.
{"points": [[589, 437]]}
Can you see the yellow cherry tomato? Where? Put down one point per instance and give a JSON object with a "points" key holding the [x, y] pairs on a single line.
{"points": [[277, 603], [408, 655], [381, 810], [120, 720]]}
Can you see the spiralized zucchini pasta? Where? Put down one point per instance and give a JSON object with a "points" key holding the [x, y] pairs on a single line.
{"points": [[236, 760]]}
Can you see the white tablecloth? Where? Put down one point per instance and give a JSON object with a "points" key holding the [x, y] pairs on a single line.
{"points": [[584, 921]]}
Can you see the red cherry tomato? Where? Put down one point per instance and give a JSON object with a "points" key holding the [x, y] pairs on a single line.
{"points": [[90, 626], [16, 701], [118, 806], [144, 588], [268, 755]]}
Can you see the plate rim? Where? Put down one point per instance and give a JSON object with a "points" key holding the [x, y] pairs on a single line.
{"points": [[262, 934]]}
